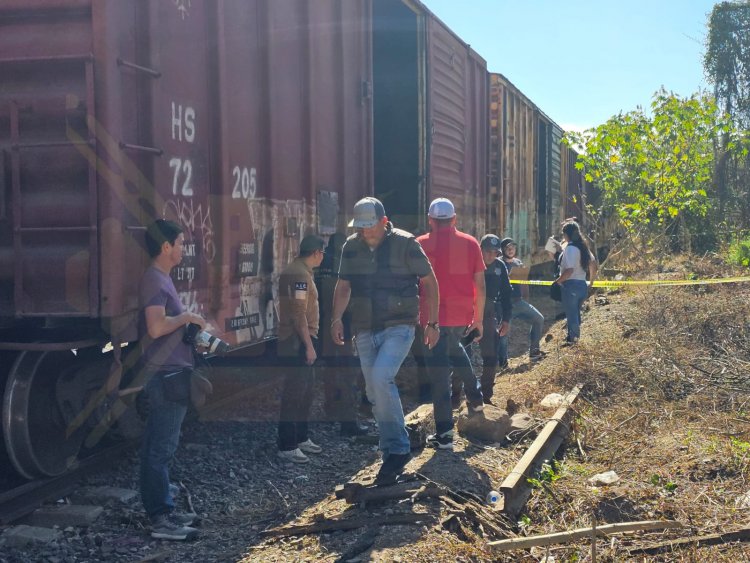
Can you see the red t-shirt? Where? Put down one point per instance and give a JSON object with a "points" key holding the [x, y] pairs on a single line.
{"points": [[455, 258]]}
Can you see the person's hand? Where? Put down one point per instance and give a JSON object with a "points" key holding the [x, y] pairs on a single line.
{"points": [[502, 330], [590, 291], [193, 318], [310, 355], [337, 332], [479, 328], [431, 336]]}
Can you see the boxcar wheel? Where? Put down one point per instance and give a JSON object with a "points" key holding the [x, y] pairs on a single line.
{"points": [[38, 439]]}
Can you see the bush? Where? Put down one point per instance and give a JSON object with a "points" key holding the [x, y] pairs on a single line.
{"points": [[739, 253]]}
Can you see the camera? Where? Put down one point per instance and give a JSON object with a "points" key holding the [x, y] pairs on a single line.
{"points": [[202, 339]]}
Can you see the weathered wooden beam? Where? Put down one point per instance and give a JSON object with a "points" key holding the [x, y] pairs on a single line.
{"points": [[346, 524], [583, 533], [515, 488], [693, 541], [355, 493]]}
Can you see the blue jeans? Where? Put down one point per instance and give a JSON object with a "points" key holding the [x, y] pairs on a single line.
{"points": [[527, 312], [574, 293], [381, 354], [449, 353], [160, 441]]}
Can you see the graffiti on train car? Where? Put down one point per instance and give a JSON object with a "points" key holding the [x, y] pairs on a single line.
{"points": [[196, 221], [276, 227]]}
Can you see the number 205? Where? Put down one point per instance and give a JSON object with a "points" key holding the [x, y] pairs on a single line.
{"points": [[245, 183]]}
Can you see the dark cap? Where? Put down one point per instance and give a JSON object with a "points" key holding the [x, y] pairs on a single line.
{"points": [[506, 241], [490, 242], [368, 212], [310, 244]]}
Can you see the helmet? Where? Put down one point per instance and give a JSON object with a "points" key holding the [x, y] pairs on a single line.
{"points": [[506, 241]]}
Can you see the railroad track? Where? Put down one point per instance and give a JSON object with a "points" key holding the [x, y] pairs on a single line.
{"points": [[24, 499]]}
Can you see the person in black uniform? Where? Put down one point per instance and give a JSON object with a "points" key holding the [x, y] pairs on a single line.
{"points": [[341, 373], [498, 309]]}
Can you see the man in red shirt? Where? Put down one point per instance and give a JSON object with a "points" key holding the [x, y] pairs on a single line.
{"points": [[459, 268]]}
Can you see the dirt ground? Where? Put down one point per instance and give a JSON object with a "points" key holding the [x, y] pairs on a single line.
{"points": [[665, 406]]}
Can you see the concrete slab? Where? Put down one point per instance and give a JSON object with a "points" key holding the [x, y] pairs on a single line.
{"points": [[21, 536], [65, 515], [107, 496]]}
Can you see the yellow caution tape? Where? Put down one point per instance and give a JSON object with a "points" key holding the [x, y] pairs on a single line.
{"points": [[616, 283]]}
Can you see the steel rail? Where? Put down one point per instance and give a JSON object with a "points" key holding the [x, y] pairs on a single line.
{"points": [[26, 498]]}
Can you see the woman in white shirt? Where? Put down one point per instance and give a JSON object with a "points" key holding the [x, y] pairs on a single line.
{"points": [[575, 263]]}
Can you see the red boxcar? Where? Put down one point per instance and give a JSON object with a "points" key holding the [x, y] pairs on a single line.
{"points": [[430, 117], [249, 122]]}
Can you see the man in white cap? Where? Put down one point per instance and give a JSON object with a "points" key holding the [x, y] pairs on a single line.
{"points": [[379, 276], [459, 269]]}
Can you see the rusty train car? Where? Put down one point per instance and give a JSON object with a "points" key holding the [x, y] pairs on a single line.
{"points": [[533, 182], [249, 122]]}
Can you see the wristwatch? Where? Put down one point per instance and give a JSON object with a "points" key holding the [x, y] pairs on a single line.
{"points": [[434, 325]]}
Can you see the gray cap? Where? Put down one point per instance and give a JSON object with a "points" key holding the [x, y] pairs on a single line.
{"points": [[368, 212]]}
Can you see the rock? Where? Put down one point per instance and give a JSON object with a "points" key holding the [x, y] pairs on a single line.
{"points": [[743, 501], [490, 426], [552, 401], [420, 423], [521, 422], [106, 496], [65, 515], [606, 478], [21, 536]]}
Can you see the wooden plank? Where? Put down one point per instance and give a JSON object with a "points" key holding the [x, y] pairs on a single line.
{"points": [[582, 533], [694, 541], [346, 524], [355, 493], [514, 488]]}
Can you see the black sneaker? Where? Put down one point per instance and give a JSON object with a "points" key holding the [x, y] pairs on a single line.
{"points": [[164, 527], [392, 467], [350, 429], [443, 441], [536, 355]]}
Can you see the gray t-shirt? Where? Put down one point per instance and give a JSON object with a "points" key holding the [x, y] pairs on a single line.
{"points": [[169, 351]]}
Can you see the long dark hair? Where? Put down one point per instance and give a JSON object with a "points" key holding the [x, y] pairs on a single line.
{"points": [[573, 232]]}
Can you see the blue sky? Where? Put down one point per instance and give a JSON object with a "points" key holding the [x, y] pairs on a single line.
{"points": [[582, 61]]}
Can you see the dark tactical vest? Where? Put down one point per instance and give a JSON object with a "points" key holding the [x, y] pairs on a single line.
{"points": [[384, 281]]}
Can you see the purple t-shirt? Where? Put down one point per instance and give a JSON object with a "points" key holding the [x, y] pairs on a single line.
{"points": [[168, 351]]}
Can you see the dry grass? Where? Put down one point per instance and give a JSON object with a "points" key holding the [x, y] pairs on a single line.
{"points": [[667, 400]]}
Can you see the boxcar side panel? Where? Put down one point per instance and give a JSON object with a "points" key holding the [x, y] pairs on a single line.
{"points": [[48, 223], [293, 143], [458, 130]]}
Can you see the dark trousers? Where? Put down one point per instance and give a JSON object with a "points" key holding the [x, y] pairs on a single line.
{"points": [[296, 393], [489, 347], [418, 351], [448, 356], [341, 386]]}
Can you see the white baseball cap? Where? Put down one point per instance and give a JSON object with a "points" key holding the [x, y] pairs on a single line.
{"points": [[441, 208]]}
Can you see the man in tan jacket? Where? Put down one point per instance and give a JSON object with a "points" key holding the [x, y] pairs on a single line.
{"points": [[299, 320]]}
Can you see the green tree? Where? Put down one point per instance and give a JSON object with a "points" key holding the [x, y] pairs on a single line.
{"points": [[654, 172], [727, 66]]}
